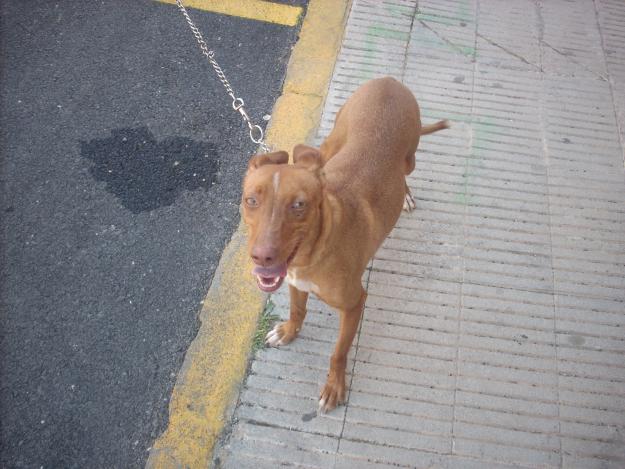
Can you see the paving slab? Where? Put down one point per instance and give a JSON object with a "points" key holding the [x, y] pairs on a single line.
{"points": [[493, 334]]}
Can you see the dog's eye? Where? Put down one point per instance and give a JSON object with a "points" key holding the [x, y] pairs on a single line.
{"points": [[299, 205], [251, 202]]}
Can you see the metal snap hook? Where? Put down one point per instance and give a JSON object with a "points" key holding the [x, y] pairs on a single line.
{"points": [[256, 130], [237, 104]]}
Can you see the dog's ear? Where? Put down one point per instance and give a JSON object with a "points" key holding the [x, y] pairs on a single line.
{"points": [[277, 157], [307, 157]]}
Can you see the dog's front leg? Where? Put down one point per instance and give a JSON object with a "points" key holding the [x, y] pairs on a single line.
{"points": [[285, 332], [334, 391]]}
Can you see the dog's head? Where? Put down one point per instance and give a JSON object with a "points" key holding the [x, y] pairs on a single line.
{"points": [[281, 204]]}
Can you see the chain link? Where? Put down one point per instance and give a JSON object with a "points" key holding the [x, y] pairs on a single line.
{"points": [[256, 132]]}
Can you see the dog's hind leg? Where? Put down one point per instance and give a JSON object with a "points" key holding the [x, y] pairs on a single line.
{"points": [[409, 203]]}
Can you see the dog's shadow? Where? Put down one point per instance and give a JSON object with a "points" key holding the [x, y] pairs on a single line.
{"points": [[145, 174]]}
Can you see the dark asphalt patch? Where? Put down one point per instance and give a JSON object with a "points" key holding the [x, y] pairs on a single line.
{"points": [[145, 174]]}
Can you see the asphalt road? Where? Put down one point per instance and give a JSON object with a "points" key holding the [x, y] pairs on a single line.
{"points": [[120, 172]]}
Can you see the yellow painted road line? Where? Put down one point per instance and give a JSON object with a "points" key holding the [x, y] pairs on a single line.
{"points": [[214, 366], [277, 13]]}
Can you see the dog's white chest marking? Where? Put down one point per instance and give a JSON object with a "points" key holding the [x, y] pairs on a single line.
{"points": [[300, 284]]}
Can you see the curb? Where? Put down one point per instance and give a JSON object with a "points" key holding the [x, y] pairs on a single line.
{"points": [[215, 363]]}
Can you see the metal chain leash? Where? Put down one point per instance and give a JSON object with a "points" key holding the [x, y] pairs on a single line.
{"points": [[256, 132]]}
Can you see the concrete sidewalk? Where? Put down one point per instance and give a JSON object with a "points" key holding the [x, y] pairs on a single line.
{"points": [[494, 330]]}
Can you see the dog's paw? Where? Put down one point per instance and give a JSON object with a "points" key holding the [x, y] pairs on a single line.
{"points": [[409, 203], [333, 392], [281, 334]]}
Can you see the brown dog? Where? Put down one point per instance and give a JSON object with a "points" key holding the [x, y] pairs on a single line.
{"points": [[318, 222]]}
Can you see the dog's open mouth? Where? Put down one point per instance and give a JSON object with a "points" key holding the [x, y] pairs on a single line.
{"points": [[269, 283], [269, 279]]}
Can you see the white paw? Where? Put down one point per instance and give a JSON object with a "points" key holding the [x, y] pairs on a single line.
{"points": [[322, 406], [409, 203], [274, 337]]}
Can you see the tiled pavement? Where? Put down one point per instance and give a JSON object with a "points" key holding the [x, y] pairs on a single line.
{"points": [[494, 330]]}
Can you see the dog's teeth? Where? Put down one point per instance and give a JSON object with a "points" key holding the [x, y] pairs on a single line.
{"points": [[269, 282]]}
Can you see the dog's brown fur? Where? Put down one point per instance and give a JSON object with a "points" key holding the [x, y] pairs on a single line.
{"points": [[324, 217]]}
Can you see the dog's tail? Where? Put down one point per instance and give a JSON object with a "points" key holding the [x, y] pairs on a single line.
{"points": [[440, 125]]}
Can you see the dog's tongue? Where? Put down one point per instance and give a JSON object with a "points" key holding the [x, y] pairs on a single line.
{"points": [[275, 271]]}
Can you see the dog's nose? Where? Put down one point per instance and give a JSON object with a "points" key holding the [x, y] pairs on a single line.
{"points": [[264, 255]]}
